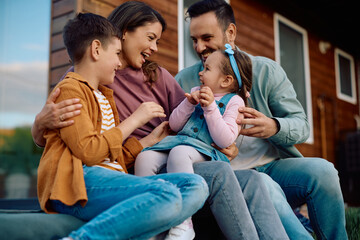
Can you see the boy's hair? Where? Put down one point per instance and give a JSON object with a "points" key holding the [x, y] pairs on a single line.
{"points": [[244, 65], [223, 11], [79, 32], [131, 15]]}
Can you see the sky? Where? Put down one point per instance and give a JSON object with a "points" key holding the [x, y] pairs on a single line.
{"points": [[24, 54]]}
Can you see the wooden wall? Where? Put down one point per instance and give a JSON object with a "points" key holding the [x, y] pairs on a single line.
{"points": [[255, 35]]}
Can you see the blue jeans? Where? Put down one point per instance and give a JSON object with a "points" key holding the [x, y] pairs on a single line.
{"points": [[294, 229], [313, 181], [124, 206], [240, 202]]}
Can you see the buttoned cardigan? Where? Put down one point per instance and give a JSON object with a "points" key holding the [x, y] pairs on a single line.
{"points": [[60, 172]]}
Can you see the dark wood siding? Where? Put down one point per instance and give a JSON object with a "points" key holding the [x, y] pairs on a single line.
{"points": [[255, 35]]}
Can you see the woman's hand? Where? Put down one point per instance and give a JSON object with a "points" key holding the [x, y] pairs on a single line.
{"points": [[159, 133], [206, 96], [54, 115]]}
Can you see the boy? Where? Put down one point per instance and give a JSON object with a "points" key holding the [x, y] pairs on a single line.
{"points": [[83, 168]]}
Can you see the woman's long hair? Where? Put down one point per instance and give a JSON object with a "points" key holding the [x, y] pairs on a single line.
{"points": [[131, 15]]}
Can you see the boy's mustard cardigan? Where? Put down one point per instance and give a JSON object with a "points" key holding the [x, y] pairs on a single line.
{"points": [[60, 172]]}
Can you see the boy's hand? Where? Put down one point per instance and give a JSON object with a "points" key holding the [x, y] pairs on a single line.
{"points": [[206, 96], [147, 111], [193, 97]]}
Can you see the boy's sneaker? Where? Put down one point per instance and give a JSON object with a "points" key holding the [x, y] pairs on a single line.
{"points": [[184, 231]]}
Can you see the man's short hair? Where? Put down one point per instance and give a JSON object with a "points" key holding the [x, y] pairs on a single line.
{"points": [[79, 32], [222, 10]]}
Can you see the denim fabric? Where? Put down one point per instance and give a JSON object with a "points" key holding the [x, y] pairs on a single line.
{"points": [[195, 133], [240, 202], [313, 181], [294, 229], [123, 206]]}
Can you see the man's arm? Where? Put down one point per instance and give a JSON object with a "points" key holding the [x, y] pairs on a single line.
{"points": [[277, 114], [54, 115]]}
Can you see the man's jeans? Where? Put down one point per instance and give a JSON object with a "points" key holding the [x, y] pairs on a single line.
{"points": [[123, 206], [294, 229], [313, 181], [240, 202]]}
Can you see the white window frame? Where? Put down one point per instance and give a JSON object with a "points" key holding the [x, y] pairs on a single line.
{"points": [[351, 99], [181, 50], [278, 18]]}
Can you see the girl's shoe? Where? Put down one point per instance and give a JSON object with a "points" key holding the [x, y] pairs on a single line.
{"points": [[183, 231]]}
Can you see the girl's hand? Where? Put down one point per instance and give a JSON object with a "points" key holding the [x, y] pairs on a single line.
{"points": [[206, 96], [145, 112], [193, 97], [159, 133]]}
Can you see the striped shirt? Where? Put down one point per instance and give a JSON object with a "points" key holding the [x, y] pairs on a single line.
{"points": [[108, 122]]}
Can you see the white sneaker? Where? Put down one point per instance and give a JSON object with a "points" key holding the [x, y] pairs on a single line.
{"points": [[183, 231]]}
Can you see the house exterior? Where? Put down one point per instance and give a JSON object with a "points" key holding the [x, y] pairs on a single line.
{"points": [[325, 73]]}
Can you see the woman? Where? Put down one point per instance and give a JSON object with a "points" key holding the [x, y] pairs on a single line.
{"points": [[141, 81], [83, 170]]}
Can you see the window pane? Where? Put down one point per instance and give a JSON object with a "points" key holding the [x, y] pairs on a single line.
{"points": [[345, 75], [24, 53], [292, 59], [190, 56]]}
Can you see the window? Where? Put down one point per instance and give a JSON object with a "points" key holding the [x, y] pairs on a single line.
{"points": [[291, 52], [345, 76], [187, 55], [24, 54]]}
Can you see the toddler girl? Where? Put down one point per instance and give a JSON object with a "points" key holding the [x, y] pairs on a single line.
{"points": [[207, 115]]}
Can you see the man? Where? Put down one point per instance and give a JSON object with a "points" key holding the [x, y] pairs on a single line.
{"points": [[275, 123]]}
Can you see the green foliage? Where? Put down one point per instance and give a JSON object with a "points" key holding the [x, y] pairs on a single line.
{"points": [[18, 152], [353, 223]]}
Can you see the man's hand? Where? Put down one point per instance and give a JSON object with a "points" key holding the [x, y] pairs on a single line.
{"points": [[231, 151], [262, 126]]}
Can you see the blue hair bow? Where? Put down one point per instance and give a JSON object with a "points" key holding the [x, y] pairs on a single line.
{"points": [[234, 66]]}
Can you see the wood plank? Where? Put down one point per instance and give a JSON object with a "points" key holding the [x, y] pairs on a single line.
{"points": [[58, 23], [57, 42], [63, 7], [57, 73], [59, 58], [98, 7]]}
